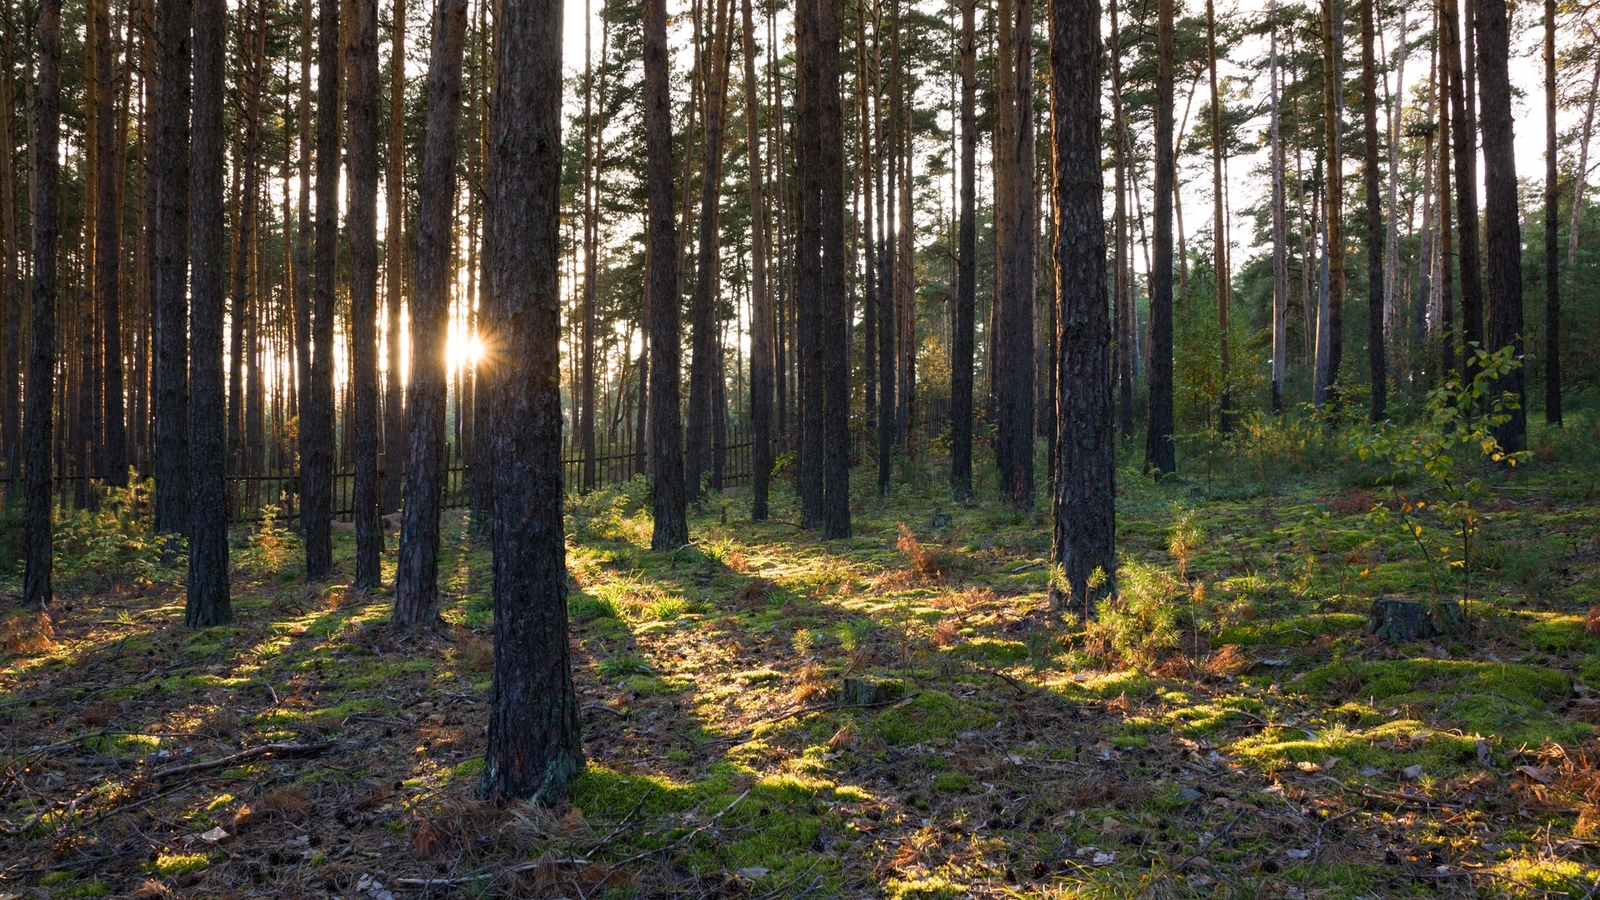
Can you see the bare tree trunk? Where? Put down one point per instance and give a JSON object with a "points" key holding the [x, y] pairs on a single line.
{"points": [[1221, 277], [888, 330], [591, 200], [108, 248], [534, 745], [1014, 246], [252, 40], [1084, 540], [1121, 299], [361, 59], [760, 299], [961, 362], [703, 366], [671, 529], [1465, 154], [38, 414], [416, 594], [1582, 172], [10, 249], [834, 303], [1377, 343], [1449, 337], [1160, 453], [808, 267], [1393, 282], [1280, 237], [394, 198], [302, 269], [1552, 205], [1502, 222], [1329, 362], [317, 421], [208, 602]]}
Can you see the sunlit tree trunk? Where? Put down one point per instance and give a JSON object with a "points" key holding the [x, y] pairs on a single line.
{"points": [[394, 198], [1330, 329], [962, 341], [1552, 206], [316, 421], [703, 367], [1464, 152], [361, 111], [1280, 237], [1377, 343], [1502, 222]]}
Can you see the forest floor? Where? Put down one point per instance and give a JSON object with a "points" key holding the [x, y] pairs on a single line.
{"points": [[898, 715]]}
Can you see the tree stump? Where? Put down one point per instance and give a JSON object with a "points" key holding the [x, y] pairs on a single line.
{"points": [[1399, 621], [870, 692]]}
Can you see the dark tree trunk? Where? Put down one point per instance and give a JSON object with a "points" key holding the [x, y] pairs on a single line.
{"points": [[703, 367], [416, 584], [808, 266], [1552, 204], [961, 342], [1160, 457], [1013, 375], [591, 202], [302, 260], [1121, 297], [316, 422], [1328, 364], [1222, 278], [866, 220], [1084, 543], [661, 287], [1448, 336], [240, 400], [834, 306], [888, 329], [1502, 224], [394, 187], [38, 415], [534, 746], [108, 249], [208, 515], [169, 266], [1465, 152], [361, 60], [11, 403], [1377, 348], [760, 299]]}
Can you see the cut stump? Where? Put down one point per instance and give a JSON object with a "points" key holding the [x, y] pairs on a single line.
{"points": [[1399, 621]]}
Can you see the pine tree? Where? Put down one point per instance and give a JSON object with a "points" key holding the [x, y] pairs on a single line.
{"points": [[661, 289], [38, 412], [1502, 222], [361, 111], [169, 267], [1160, 456]]}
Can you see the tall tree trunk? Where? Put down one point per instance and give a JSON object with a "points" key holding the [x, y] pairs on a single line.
{"points": [[760, 299], [834, 305], [1392, 276], [808, 266], [671, 529], [1332, 336], [1121, 299], [866, 92], [394, 200], [904, 256], [591, 202], [1502, 222], [1084, 540], [416, 586], [38, 414], [1552, 204], [888, 330], [208, 526], [1221, 277], [10, 249], [1464, 151], [703, 367], [962, 341], [1280, 237], [108, 248], [252, 42], [302, 268], [1581, 174], [361, 58], [1014, 179], [317, 421], [1159, 452], [534, 745], [1377, 343], [1449, 336]]}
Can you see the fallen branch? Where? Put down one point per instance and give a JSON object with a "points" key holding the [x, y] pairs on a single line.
{"points": [[252, 753]]}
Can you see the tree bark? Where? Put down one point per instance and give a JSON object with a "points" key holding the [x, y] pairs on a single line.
{"points": [[1014, 178], [703, 366], [170, 264], [888, 331], [10, 249], [961, 344], [835, 303], [1121, 295], [1330, 360], [1280, 236], [760, 299], [394, 198], [108, 249], [361, 60], [208, 600], [671, 529], [1084, 539], [1377, 343], [809, 299], [38, 413], [1465, 153], [1502, 221], [1159, 452], [1448, 336], [416, 595], [302, 268], [591, 202], [1552, 216], [316, 422], [534, 745], [1581, 174]]}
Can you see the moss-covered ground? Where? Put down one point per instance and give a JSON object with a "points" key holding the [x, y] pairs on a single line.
{"points": [[1227, 730]]}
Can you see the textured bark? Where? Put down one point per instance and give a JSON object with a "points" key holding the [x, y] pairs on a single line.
{"points": [[208, 601], [108, 249], [361, 61], [1221, 277], [1465, 153], [1121, 296], [416, 584], [1084, 540], [1552, 205], [835, 302], [1448, 336], [1014, 232], [534, 745], [1502, 222], [961, 343], [888, 332], [316, 420], [1280, 236], [38, 414], [1377, 343], [1331, 337], [808, 266], [704, 366], [394, 191], [1581, 173], [169, 266], [241, 402], [671, 529], [1159, 451], [11, 299], [591, 202], [760, 299], [302, 257]]}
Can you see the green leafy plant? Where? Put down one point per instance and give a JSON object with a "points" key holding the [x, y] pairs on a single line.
{"points": [[1450, 452]]}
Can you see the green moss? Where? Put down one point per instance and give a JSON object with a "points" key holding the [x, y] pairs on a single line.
{"points": [[658, 685], [469, 768], [952, 782], [94, 888], [169, 864], [1560, 634], [991, 650], [933, 888], [1292, 630], [930, 715]]}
